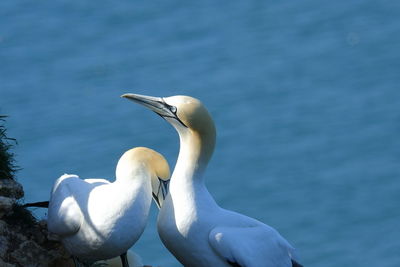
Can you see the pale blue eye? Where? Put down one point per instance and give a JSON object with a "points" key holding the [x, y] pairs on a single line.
{"points": [[173, 109]]}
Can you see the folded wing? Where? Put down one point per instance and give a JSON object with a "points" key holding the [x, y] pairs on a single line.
{"points": [[65, 216], [253, 246]]}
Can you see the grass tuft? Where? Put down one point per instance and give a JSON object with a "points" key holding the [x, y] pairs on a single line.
{"points": [[19, 215], [7, 163]]}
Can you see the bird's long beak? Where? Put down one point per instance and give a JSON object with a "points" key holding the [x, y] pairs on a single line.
{"points": [[156, 104], [160, 191]]}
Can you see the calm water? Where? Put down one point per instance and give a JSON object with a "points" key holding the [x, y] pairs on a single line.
{"points": [[305, 96]]}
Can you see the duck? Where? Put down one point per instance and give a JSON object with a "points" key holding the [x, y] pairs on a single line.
{"points": [[96, 219], [191, 225]]}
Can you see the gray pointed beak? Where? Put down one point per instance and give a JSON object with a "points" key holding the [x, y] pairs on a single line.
{"points": [[157, 200], [160, 191], [156, 104]]}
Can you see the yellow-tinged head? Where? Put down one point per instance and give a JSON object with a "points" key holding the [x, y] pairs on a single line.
{"points": [[188, 111], [189, 117], [192, 113], [153, 161], [141, 162]]}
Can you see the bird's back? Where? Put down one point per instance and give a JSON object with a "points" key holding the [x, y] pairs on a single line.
{"points": [[65, 215]]}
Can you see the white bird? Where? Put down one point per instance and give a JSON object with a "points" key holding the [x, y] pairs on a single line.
{"points": [[191, 225], [97, 219]]}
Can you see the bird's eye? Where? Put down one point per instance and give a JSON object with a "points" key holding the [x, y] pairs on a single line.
{"points": [[173, 109]]}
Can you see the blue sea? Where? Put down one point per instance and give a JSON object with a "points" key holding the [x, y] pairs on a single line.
{"points": [[305, 96]]}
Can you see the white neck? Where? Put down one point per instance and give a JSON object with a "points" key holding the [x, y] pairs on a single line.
{"points": [[132, 180], [138, 180], [120, 201], [194, 153]]}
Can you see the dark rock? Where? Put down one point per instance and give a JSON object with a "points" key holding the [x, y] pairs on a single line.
{"points": [[11, 188], [6, 205]]}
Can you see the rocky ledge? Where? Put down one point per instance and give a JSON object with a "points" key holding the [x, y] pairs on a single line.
{"points": [[23, 240]]}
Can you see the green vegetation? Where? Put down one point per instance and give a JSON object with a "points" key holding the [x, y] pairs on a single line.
{"points": [[19, 214], [7, 164]]}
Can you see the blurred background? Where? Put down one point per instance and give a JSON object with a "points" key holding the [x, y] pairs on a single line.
{"points": [[305, 96]]}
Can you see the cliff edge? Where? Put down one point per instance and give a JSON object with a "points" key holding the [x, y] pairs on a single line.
{"points": [[24, 241]]}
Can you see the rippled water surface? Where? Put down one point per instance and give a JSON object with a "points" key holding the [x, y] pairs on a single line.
{"points": [[305, 96]]}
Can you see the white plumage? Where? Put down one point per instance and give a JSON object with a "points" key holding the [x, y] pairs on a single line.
{"points": [[191, 225], [97, 219]]}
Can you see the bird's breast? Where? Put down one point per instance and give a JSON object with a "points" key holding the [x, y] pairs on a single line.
{"points": [[185, 233]]}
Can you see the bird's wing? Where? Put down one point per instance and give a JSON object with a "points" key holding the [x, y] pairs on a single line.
{"points": [[255, 246], [97, 181], [65, 216]]}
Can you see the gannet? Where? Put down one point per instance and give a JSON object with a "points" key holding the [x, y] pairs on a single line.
{"points": [[97, 219], [191, 225]]}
